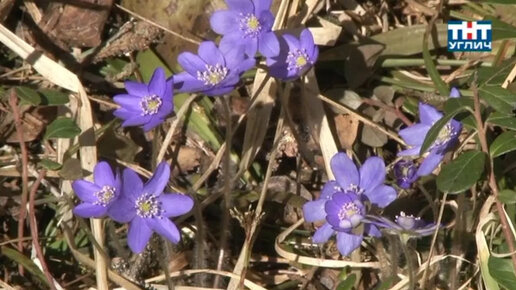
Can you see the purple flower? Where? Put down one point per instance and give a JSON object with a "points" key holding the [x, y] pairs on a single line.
{"points": [[247, 23], [454, 93], [214, 71], [415, 135], [296, 56], [97, 197], [147, 209], [146, 105], [405, 224], [405, 173], [344, 202]]}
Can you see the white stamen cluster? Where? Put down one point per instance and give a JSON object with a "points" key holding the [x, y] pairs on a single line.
{"points": [[250, 25], [348, 210], [148, 206], [355, 189], [105, 195], [297, 59], [213, 74], [150, 104]]}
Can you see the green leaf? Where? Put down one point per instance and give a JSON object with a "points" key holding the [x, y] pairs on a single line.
{"points": [[502, 120], [507, 196], [461, 173], [503, 144], [49, 164], [28, 95], [436, 128], [53, 97], [501, 30], [148, 61], [495, 75], [500, 99], [502, 271], [62, 128], [27, 263], [442, 87], [348, 283]]}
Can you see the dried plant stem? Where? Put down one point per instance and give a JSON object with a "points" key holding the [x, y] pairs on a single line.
{"points": [[243, 258], [34, 230], [227, 190], [434, 239], [397, 112], [13, 102], [493, 185]]}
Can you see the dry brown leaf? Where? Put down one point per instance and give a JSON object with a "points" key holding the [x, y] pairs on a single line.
{"points": [[347, 128]]}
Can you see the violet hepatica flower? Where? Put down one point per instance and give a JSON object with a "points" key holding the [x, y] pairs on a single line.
{"points": [[344, 202], [97, 197], [146, 105], [247, 23], [214, 71], [405, 173], [404, 224], [454, 93], [415, 135], [297, 56], [147, 209]]}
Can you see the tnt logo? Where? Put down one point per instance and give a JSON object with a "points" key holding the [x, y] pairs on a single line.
{"points": [[469, 35]]}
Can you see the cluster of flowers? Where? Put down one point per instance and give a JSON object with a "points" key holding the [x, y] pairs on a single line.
{"points": [[126, 199], [345, 203], [246, 29]]}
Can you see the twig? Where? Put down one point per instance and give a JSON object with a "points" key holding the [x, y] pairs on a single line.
{"points": [[509, 238], [434, 239], [227, 189], [397, 112], [363, 119], [243, 258], [157, 25], [13, 102], [34, 230]]}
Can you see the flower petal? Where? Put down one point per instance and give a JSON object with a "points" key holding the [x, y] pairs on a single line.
{"points": [[174, 204], [251, 46], [430, 163], [347, 243], [85, 190], [89, 210], [260, 5], [268, 45], [414, 151], [344, 169], [218, 91], [210, 53], [136, 88], [329, 189], [128, 102], [138, 235], [428, 114], [152, 123], [165, 228], [132, 185], [244, 6], [224, 21], [191, 63], [323, 234], [382, 195], [122, 210], [307, 41], [136, 120], [372, 230], [103, 175], [186, 83], [159, 179], [372, 173], [266, 19], [415, 134], [314, 210], [292, 42], [454, 93], [158, 82]]}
